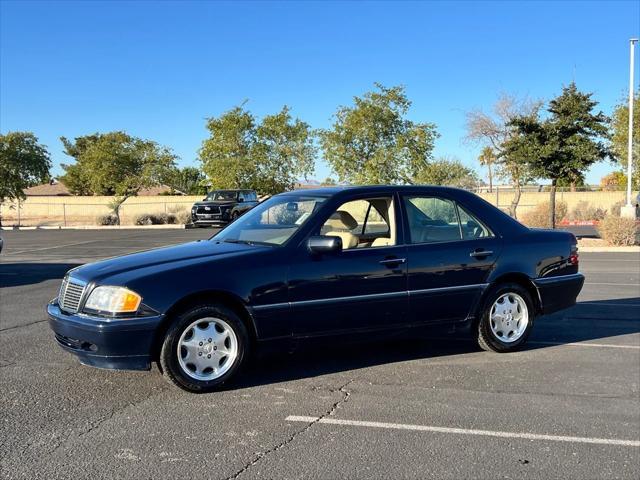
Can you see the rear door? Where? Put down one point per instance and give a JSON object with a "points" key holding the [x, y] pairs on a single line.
{"points": [[450, 254]]}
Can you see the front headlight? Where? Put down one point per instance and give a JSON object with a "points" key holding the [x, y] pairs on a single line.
{"points": [[113, 300]]}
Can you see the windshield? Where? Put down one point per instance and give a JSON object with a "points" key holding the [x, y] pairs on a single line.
{"points": [[222, 195], [273, 222]]}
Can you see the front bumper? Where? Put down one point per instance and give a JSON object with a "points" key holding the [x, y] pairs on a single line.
{"points": [[123, 344], [221, 218], [558, 293]]}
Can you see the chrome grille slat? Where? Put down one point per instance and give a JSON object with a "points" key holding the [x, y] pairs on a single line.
{"points": [[70, 295]]}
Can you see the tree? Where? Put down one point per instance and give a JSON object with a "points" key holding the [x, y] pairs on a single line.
{"points": [[564, 145], [620, 137], [188, 180], [268, 157], [614, 181], [115, 163], [23, 163], [448, 172], [329, 181], [495, 130], [373, 142], [283, 152], [487, 159]]}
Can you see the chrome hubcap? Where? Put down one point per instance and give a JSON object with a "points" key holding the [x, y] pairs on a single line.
{"points": [[509, 317], [207, 349]]}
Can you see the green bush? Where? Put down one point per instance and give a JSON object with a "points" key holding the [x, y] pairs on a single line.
{"points": [[618, 231], [539, 216]]}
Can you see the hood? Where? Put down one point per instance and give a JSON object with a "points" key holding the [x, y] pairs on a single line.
{"points": [[215, 202], [159, 258]]}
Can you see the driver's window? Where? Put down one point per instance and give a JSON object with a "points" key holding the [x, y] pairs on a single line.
{"points": [[363, 223]]}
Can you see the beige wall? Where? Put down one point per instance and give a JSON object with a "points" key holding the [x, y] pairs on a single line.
{"points": [[84, 210], [529, 200]]}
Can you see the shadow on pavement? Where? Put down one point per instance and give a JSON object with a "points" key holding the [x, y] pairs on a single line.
{"points": [[19, 274]]}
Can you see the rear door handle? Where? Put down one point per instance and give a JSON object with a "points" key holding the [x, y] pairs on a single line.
{"points": [[392, 261], [480, 253]]}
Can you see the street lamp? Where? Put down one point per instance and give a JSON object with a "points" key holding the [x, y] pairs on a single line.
{"points": [[629, 210]]}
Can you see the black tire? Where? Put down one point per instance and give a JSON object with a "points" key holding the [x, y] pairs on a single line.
{"points": [[170, 364], [487, 339]]}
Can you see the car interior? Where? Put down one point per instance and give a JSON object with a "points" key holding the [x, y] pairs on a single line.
{"points": [[363, 223]]}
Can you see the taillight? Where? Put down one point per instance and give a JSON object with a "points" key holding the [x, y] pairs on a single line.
{"points": [[574, 255]]}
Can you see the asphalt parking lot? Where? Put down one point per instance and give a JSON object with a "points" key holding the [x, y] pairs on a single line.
{"points": [[568, 406]]}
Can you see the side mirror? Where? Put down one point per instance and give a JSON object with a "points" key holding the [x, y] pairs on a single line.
{"points": [[240, 199], [324, 244]]}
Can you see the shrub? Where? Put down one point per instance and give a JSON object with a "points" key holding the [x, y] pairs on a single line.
{"points": [[618, 231], [584, 211], [109, 219], [539, 216], [617, 207], [183, 217], [156, 219]]}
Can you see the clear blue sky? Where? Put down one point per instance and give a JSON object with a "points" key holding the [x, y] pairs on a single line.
{"points": [[158, 69]]}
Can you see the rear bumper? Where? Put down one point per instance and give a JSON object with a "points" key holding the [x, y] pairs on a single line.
{"points": [[558, 293], [125, 344]]}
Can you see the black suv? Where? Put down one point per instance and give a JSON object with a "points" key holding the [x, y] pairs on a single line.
{"points": [[223, 206]]}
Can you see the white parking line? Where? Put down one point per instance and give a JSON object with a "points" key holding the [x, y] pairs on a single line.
{"points": [[464, 431], [52, 248], [587, 344]]}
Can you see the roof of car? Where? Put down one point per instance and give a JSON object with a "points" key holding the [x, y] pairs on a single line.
{"points": [[368, 188]]}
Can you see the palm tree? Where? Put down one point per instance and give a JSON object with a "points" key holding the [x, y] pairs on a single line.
{"points": [[487, 158]]}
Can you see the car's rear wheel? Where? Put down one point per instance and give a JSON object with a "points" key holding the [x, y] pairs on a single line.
{"points": [[204, 348], [506, 318]]}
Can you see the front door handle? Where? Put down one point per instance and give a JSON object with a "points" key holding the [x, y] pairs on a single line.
{"points": [[392, 261], [480, 253]]}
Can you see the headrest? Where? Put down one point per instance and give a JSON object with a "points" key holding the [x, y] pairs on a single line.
{"points": [[342, 220]]}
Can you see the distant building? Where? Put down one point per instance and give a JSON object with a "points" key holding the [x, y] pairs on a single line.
{"points": [[52, 189], [56, 188]]}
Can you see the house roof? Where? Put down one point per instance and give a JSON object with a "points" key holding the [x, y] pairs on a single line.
{"points": [[57, 189], [52, 189]]}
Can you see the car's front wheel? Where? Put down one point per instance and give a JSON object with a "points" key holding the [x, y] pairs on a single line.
{"points": [[506, 318], [204, 348]]}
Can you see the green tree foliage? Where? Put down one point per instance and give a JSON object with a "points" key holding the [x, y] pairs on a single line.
{"points": [[283, 152], [373, 142], [620, 137], [268, 156], [188, 180], [448, 172], [564, 145], [23, 163], [495, 130], [115, 163]]}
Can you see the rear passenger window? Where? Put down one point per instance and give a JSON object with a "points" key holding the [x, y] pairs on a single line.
{"points": [[432, 220], [471, 226]]}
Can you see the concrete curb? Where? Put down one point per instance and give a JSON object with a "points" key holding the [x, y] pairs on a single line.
{"points": [[633, 249], [102, 227]]}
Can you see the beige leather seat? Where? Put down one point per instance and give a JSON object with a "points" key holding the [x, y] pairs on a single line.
{"points": [[382, 242], [340, 223]]}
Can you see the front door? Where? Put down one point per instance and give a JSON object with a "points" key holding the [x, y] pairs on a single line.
{"points": [[361, 288], [450, 255]]}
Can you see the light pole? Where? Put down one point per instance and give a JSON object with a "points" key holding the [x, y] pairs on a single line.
{"points": [[629, 210]]}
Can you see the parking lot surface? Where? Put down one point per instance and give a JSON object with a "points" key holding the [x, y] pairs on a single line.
{"points": [[567, 406]]}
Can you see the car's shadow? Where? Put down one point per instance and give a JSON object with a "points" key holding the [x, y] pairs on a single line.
{"points": [[607, 320], [20, 274]]}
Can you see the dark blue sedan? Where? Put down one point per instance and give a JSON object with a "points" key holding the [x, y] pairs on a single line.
{"points": [[353, 261]]}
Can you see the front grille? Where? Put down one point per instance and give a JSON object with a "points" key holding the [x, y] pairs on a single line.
{"points": [[211, 211], [70, 295]]}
